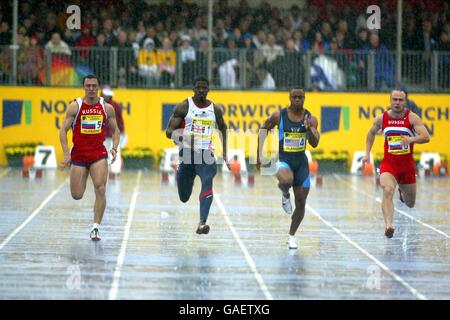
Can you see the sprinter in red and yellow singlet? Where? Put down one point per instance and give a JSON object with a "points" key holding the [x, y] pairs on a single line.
{"points": [[87, 118], [402, 129]]}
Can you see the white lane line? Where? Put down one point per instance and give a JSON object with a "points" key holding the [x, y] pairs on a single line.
{"points": [[123, 248], [377, 199], [4, 173], [416, 293], [244, 250], [33, 214]]}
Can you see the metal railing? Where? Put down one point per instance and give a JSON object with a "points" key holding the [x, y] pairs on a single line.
{"points": [[238, 69]]}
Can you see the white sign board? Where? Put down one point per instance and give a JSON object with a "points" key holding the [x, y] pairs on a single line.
{"points": [[240, 157], [428, 158], [169, 160], [45, 158], [357, 162]]}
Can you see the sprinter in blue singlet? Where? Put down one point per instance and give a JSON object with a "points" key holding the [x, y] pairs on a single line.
{"points": [[295, 125]]}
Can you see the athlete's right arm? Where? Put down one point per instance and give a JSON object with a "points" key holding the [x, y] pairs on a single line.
{"points": [[268, 125], [176, 120], [370, 139], [70, 116]]}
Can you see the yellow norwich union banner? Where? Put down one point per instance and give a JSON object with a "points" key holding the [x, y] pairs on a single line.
{"points": [[36, 114]]}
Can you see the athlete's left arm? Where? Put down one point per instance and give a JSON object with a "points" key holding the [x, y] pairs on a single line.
{"points": [[112, 123], [222, 126], [422, 133], [313, 134]]}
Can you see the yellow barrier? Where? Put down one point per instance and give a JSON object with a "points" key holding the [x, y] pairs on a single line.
{"points": [[35, 114]]}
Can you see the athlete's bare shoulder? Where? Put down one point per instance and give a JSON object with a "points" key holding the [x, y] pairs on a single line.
{"points": [[181, 109], [219, 109], [272, 121], [414, 118], [73, 103], [275, 116], [109, 109], [72, 108]]}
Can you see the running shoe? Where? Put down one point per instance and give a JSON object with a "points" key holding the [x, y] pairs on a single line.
{"points": [[292, 243], [202, 229], [389, 232], [286, 203], [95, 235]]}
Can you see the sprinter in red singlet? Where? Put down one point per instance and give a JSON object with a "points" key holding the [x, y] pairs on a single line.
{"points": [[87, 117], [402, 129]]}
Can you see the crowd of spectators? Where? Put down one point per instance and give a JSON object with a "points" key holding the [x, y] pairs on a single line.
{"points": [[148, 39]]}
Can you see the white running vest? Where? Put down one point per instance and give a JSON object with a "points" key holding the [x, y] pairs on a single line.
{"points": [[199, 125]]}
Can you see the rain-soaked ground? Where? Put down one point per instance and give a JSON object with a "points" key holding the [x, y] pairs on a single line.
{"points": [[149, 248]]}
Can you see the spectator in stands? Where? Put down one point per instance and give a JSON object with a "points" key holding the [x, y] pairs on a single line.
{"points": [[249, 63], [95, 27], [266, 79], [339, 41], [228, 62], [245, 23], [301, 44], [176, 41], [325, 30], [295, 17], [443, 46], [51, 27], [58, 46], [260, 39], [447, 29], [148, 63], [29, 61], [236, 36], [134, 44], [363, 39], [220, 38], [427, 43], [5, 34], [161, 32], [99, 59], [336, 53], [71, 37], [85, 42], [271, 50], [319, 45], [288, 70], [126, 60], [140, 32], [349, 40], [39, 33], [384, 62], [166, 63], [306, 30], [151, 34], [110, 37], [199, 30], [220, 30], [410, 36], [26, 69], [285, 32], [201, 61], [188, 58]]}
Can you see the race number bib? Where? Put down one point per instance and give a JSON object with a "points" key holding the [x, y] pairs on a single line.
{"points": [[202, 127], [294, 141], [91, 124], [394, 146], [201, 133]]}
